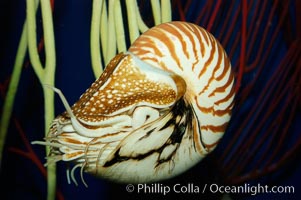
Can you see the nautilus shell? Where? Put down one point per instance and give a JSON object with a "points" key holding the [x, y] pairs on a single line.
{"points": [[155, 112]]}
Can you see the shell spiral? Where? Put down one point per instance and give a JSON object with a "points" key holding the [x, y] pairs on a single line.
{"points": [[193, 53], [156, 110]]}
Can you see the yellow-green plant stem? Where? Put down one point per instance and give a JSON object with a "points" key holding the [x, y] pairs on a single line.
{"points": [[156, 11], [12, 89], [132, 20], [95, 40], [31, 36], [120, 37], [142, 26], [165, 11], [13, 85], [111, 41], [103, 29], [46, 75], [49, 77]]}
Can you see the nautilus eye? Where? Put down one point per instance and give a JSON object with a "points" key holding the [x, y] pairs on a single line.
{"points": [[155, 112]]}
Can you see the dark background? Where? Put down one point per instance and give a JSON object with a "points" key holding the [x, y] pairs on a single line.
{"points": [[262, 142]]}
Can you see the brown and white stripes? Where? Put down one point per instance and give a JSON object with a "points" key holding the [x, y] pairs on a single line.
{"points": [[155, 112]]}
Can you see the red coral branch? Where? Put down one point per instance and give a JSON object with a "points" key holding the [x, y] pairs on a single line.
{"points": [[243, 45]]}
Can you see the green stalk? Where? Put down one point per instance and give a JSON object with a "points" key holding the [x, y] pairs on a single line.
{"points": [[165, 11], [32, 43], [12, 89], [132, 20], [142, 26], [95, 40], [104, 30], [49, 77], [156, 11], [120, 36], [111, 40]]}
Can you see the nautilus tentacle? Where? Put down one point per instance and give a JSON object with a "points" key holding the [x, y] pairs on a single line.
{"points": [[156, 110]]}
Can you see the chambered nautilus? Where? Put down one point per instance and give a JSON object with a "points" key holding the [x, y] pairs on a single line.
{"points": [[155, 111]]}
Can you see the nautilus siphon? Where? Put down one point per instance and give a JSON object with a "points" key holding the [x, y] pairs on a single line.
{"points": [[155, 111]]}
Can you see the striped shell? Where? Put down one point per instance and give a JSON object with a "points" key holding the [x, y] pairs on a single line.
{"points": [[156, 110]]}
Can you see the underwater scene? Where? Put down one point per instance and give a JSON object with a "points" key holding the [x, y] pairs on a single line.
{"points": [[150, 99]]}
